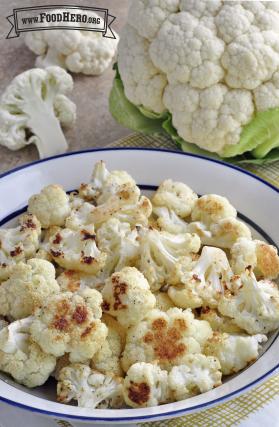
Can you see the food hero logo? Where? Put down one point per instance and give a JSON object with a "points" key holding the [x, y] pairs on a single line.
{"points": [[60, 18]]}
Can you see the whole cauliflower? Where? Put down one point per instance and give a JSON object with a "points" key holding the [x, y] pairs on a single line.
{"points": [[78, 51], [260, 256], [211, 67], [127, 296], [70, 323], [27, 288], [19, 243], [165, 337], [197, 374], [51, 206], [88, 387], [234, 352], [145, 385], [254, 306], [21, 357]]}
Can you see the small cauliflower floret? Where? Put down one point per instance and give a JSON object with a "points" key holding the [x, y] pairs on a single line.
{"points": [[28, 286], [163, 301], [107, 359], [258, 255], [202, 282], [254, 306], [75, 281], [79, 218], [234, 352], [160, 252], [168, 220], [44, 247], [176, 196], [21, 357], [19, 243], [211, 208], [89, 388], [166, 337], [198, 374], [70, 323], [51, 206], [127, 296], [145, 385], [77, 250], [219, 323]]}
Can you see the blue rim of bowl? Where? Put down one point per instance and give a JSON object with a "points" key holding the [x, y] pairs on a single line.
{"points": [[166, 414]]}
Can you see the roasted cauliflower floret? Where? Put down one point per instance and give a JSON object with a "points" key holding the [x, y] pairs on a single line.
{"points": [[234, 352], [19, 243], [202, 282], [145, 385], [28, 286], [263, 258], [160, 252], [163, 301], [23, 359], [254, 306], [51, 206], [198, 374], [70, 323], [127, 296], [219, 323], [79, 218], [168, 220], [88, 387], [166, 337], [75, 281], [107, 359], [211, 208], [77, 250], [176, 196]]}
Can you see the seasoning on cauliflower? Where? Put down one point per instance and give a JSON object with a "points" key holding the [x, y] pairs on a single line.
{"points": [[51, 206], [160, 251], [254, 306], [167, 220], [78, 51], [176, 196], [22, 358], [202, 282], [89, 388], [258, 255], [163, 301], [77, 250], [234, 352], [197, 374], [19, 243], [30, 111], [219, 323], [28, 286], [127, 296], [166, 337], [145, 385], [70, 323]]}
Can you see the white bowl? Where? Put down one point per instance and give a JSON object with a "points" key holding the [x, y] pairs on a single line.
{"points": [[257, 203]]}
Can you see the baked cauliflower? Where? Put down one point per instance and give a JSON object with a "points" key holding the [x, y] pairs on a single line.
{"points": [[21, 357], [163, 301], [218, 322], [127, 296], [234, 352], [89, 388], [168, 220], [145, 385], [166, 337], [70, 323], [27, 288], [75, 281]]}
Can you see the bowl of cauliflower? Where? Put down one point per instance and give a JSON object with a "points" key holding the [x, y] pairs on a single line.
{"points": [[140, 286]]}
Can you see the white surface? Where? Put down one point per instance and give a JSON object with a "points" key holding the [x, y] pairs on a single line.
{"points": [[250, 196]]}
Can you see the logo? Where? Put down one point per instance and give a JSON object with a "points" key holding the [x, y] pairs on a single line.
{"points": [[60, 17]]}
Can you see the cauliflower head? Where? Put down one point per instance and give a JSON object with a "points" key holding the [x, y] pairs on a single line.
{"points": [[21, 357], [78, 51], [27, 288], [197, 374], [51, 206], [89, 388], [145, 385], [234, 352], [70, 323], [165, 337], [127, 296]]}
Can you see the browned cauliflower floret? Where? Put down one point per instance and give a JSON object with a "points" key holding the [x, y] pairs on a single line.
{"points": [[70, 323], [74, 281], [218, 322], [51, 206]]}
